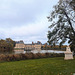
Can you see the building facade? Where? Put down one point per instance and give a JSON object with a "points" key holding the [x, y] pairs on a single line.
{"points": [[21, 46]]}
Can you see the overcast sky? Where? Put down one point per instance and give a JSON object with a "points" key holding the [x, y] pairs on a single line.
{"points": [[25, 19]]}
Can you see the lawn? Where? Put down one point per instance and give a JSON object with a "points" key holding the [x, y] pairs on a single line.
{"points": [[45, 66]]}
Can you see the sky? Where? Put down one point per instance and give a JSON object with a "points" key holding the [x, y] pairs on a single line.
{"points": [[25, 19]]}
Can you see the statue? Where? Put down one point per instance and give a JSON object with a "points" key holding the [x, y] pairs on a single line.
{"points": [[68, 49], [68, 53]]}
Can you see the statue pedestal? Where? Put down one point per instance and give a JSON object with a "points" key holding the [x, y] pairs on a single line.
{"points": [[68, 54]]}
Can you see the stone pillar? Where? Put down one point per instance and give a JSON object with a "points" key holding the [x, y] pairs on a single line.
{"points": [[68, 53]]}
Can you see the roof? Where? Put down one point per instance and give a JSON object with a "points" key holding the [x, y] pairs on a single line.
{"points": [[28, 44], [20, 42]]}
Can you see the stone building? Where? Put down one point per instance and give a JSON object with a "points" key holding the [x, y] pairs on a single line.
{"points": [[29, 47], [37, 47], [20, 46]]}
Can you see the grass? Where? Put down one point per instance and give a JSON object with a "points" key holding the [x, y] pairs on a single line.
{"points": [[45, 66]]}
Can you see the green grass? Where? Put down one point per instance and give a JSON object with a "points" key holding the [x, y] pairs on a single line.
{"points": [[45, 66]]}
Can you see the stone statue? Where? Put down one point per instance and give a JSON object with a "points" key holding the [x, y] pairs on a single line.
{"points": [[68, 49], [68, 53]]}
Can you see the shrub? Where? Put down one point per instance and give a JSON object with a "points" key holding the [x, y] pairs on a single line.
{"points": [[17, 57], [2, 57]]}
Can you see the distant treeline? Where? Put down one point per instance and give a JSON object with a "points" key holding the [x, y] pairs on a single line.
{"points": [[55, 47], [7, 45]]}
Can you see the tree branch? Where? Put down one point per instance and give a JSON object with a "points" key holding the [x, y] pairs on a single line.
{"points": [[69, 21]]}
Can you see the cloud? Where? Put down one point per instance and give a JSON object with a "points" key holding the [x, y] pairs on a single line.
{"points": [[17, 12], [25, 19], [35, 31]]}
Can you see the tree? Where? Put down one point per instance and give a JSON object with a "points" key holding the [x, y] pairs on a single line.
{"points": [[7, 45], [72, 4], [10, 41], [62, 20]]}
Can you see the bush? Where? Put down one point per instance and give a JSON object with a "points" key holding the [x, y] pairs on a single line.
{"points": [[17, 57], [2, 57]]}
